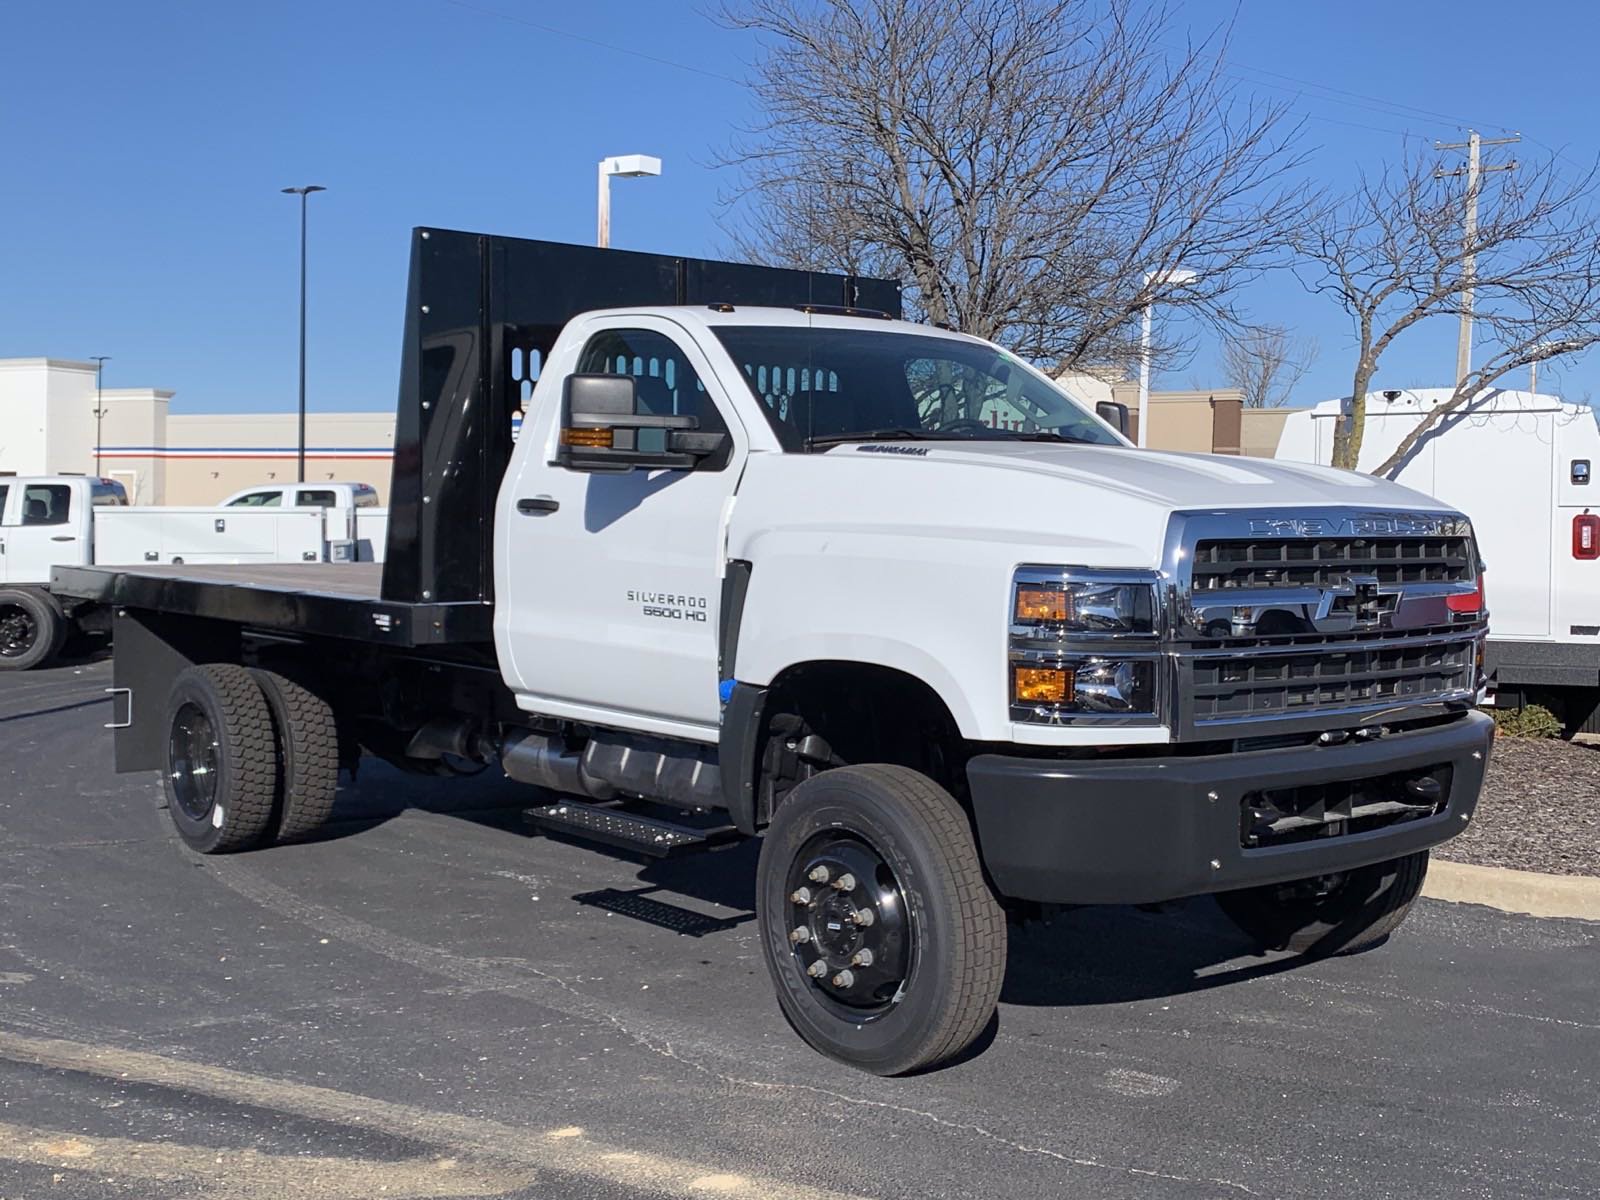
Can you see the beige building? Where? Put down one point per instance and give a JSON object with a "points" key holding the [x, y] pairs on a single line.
{"points": [[49, 423]]}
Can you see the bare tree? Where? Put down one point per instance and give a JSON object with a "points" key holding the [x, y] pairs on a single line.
{"points": [[1392, 255], [1265, 363], [1034, 169]]}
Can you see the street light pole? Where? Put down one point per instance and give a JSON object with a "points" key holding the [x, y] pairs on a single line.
{"points": [[626, 166], [302, 192], [99, 361], [1175, 277]]}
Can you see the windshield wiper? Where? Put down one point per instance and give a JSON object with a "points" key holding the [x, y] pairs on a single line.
{"points": [[875, 435], [1045, 435]]}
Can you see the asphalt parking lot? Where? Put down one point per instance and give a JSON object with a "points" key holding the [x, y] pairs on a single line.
{"points": [[427, 1002]]}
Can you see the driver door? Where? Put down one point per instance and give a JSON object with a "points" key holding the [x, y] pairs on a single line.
{"points": [[613, 577]]}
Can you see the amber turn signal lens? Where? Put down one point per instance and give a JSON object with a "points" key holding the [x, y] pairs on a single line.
{"points": [[1041, 685], [600, 438], [1043, 604]]}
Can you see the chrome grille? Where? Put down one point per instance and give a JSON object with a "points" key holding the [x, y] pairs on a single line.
{"points": [[1233, 685], [1222, 564]]}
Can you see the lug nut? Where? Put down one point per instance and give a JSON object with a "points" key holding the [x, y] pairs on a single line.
{"points": [[844, 979], [845, 882], [818, 875], [817, 969], [801, 895], [863, 916], [799, 935], [862, 958]]}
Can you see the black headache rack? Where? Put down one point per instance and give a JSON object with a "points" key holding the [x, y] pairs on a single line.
{"points": [[482, 314]]}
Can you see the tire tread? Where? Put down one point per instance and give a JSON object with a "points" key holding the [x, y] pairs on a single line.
{"points": [[307, 745]]}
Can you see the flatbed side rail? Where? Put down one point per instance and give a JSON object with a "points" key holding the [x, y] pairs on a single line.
{"points": [[316, 608]]}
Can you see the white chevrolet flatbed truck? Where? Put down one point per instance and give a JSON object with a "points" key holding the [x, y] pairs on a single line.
{"points": [[766, 561]]}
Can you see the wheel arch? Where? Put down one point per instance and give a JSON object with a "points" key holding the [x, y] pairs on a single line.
{"points": [[830, 712]]}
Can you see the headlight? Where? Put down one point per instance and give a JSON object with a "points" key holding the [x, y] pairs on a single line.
{"points": [[1062, 606], [1084, 646]]}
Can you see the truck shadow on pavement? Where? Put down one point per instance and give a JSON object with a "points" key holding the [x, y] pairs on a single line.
{"points": [[1079, 958]]}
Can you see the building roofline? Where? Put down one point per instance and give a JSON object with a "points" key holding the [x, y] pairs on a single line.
{"points": [[33, 364]]}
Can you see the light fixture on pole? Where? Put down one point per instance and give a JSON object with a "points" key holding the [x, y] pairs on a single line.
{"points": [[99, 361], [1174, 278], [302, 192], [625, 166]]}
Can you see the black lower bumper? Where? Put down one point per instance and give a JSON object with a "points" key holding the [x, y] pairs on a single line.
{"points": [[1141, 830]]}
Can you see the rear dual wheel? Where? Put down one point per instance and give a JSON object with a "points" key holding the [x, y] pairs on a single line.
{"points": [[884, 942], [251, 757]]}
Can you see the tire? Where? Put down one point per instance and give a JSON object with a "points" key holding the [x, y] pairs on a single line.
{"points": [[222, 763], [306, 737], [938, 934], [32, 629], [1360, 909]]}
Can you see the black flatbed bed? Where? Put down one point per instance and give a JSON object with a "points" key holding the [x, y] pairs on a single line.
{"points": [[342, 600]]}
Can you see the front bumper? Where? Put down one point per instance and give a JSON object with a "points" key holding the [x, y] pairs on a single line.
{"points": [[1142, 830]]}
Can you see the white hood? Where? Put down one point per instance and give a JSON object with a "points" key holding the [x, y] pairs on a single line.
{"points": [[1025, 501], [1177, 481]]}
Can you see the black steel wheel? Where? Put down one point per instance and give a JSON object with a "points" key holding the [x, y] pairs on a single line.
{"points": [[1329, 914], [31, 629], [221, 771], [884, 943]]}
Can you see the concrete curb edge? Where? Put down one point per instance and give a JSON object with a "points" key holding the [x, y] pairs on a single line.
{"points": [[1538, 895]]}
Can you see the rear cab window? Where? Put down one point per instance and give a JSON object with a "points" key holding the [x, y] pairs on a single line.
{"points": [[315, 498], [272, 499]]}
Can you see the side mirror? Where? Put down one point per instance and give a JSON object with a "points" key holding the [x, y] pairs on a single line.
{"points": [[1114, 415], [602, 429]]}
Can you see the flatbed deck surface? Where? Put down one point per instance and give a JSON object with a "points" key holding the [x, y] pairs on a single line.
{"points": [[337, 600], [355, 581]]}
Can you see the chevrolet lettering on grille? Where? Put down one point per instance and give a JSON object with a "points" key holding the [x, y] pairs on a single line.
{"points": [[1373, 526]]}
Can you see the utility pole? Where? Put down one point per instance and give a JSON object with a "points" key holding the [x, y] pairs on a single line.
{"points": [[302, 192], [1474, 171], [99, 361]]}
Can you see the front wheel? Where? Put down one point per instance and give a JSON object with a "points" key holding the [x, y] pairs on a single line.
{"points": [[1329, 914], [885, 944]]}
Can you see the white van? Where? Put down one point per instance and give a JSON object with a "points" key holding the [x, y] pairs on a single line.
{"points": [[1521, 466]]}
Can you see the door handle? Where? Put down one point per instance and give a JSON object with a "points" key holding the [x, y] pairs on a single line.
{"points": [[534, 505], [59, 538]]}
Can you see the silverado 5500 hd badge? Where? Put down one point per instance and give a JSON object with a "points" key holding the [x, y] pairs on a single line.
{"points": [[669, 606]]}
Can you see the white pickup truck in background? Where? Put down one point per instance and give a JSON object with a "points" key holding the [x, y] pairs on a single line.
{"points": [[77, 520]]}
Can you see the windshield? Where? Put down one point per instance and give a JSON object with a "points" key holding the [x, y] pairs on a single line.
{"points": [[818, 387]]}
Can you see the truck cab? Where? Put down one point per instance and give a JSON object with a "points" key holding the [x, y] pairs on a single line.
{"points": [[305, 495]]}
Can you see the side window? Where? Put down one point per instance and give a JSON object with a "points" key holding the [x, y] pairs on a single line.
{"points": [[5, 493], [46, 504], [258, 500], [665, 383], [321, 498]]}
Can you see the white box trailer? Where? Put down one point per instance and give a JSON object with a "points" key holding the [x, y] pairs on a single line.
{"points": [[1521, 466]]}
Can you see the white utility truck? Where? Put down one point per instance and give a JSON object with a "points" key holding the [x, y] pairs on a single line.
{"points": [[1521, 466], [48, 521], [883, 594]]}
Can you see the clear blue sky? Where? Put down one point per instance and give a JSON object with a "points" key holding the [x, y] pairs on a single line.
{"points": [[145, 145]]}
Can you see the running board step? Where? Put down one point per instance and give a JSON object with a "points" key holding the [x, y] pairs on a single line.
{"points": [[643, 835]]}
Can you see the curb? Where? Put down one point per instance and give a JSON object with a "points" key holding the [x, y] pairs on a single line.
{"points": [[1537, 895]]}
